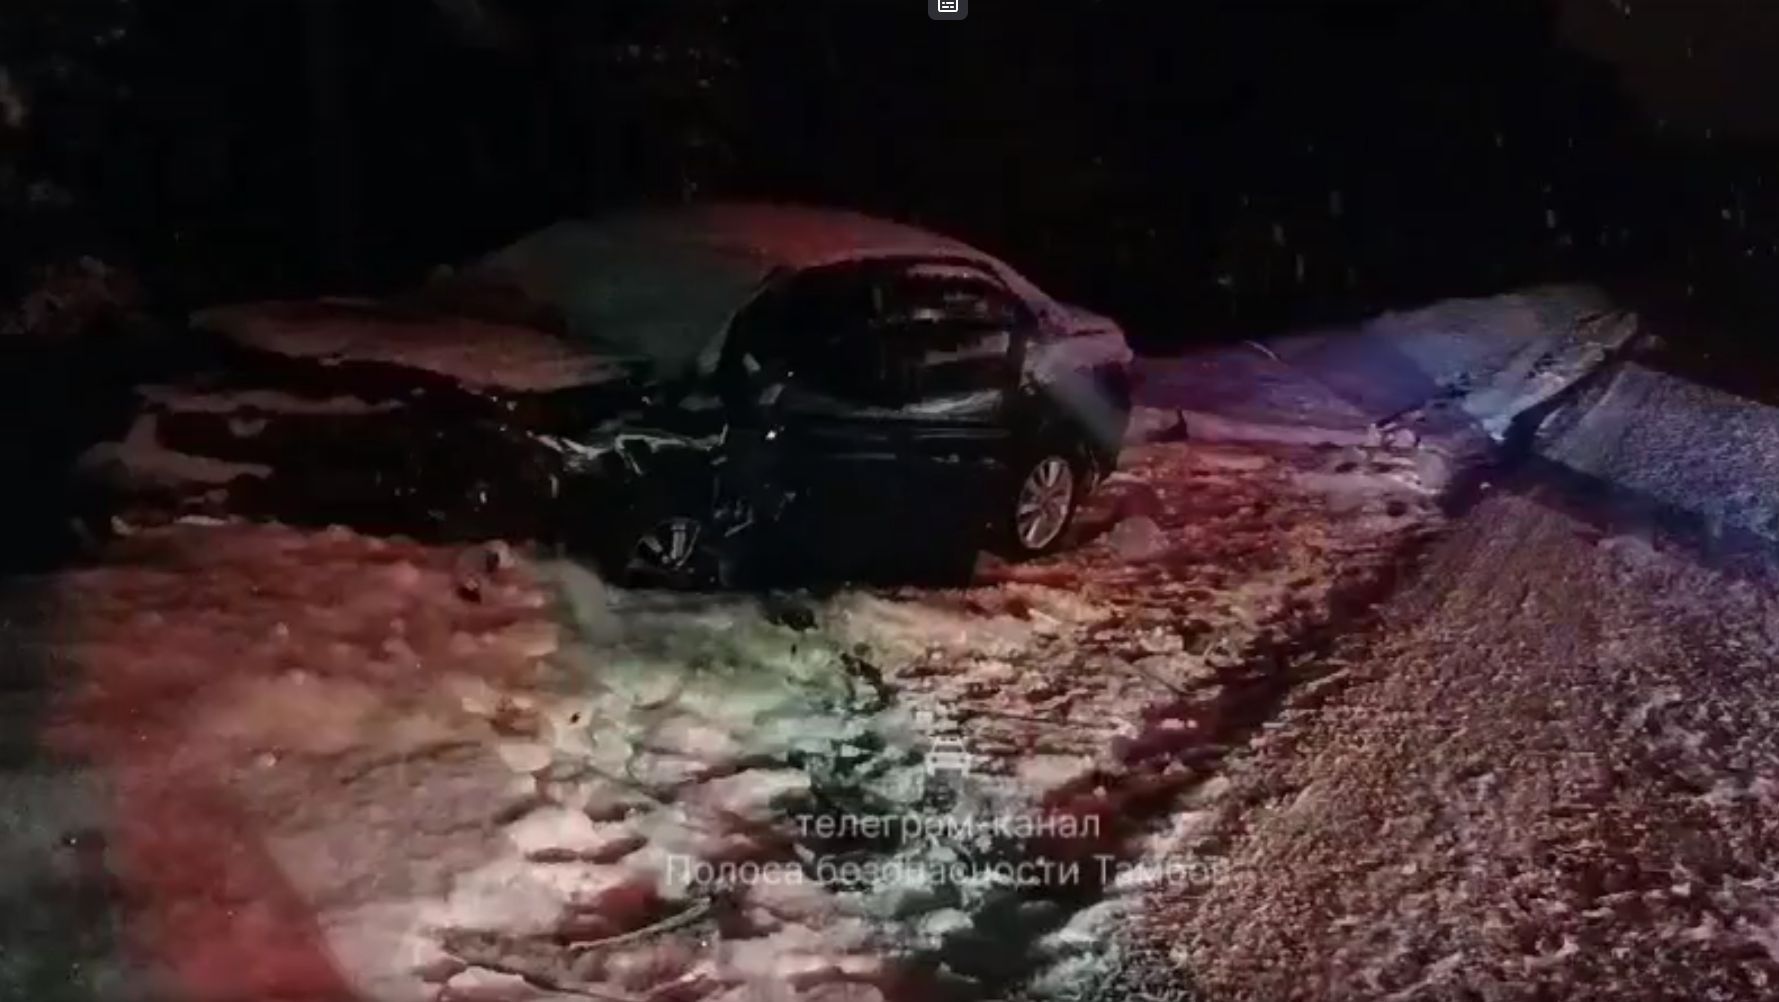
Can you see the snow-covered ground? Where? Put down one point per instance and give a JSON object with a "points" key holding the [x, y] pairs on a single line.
{"points": [[281, 763], [330, 762], [1549, 774]]}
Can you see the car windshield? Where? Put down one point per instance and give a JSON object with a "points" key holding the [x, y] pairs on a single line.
{"points": [[604, 287]]}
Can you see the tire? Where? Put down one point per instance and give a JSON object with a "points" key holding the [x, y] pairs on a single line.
{"points": [[666, 549], [656, 538], [1041, 499]]}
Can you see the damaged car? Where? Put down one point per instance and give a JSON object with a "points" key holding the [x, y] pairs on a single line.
{"points": [[673, 391]]}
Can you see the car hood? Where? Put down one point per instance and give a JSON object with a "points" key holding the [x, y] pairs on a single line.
{"points": [[474, 354]]}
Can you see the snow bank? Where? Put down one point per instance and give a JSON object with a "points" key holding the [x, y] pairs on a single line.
{"points": [[1476, 362], [1711, 457]]}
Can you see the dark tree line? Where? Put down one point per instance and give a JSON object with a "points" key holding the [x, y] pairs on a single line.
{"points": [[1199, 168]]}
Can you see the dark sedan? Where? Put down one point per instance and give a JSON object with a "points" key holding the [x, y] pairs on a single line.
{"points": [[674, 390]]}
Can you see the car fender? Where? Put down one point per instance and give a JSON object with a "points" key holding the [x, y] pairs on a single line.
{"points": [[1080, 384]]}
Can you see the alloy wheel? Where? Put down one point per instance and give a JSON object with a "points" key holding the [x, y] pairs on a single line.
{"points": [[1045, 500], [669, 546]]}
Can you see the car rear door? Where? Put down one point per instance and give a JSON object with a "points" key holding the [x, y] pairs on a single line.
{"points": [[960, 335]]}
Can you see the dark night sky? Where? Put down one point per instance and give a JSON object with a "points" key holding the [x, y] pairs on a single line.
{"points": [[1251, 161], [1698, 64]]}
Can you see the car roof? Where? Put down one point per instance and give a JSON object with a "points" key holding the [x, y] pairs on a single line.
{"points": [[665, 283], [797, 236]]}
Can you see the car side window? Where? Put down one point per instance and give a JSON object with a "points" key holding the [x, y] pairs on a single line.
{"points": [[886, 336], [814, 332], [955, 325], [959, 298]]}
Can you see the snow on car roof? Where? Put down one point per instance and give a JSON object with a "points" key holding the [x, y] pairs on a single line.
{"points": [[664, 284], [794, 236], [798, 236]]}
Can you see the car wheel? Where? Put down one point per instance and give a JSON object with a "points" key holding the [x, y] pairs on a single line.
{"points": [[1046, 490], [670, 551]]}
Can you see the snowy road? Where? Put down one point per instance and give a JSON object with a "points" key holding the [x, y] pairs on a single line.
{"points": [[1550, 771]]}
